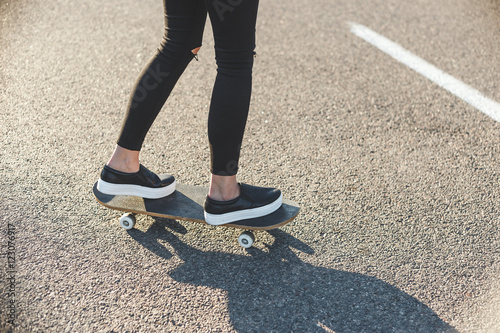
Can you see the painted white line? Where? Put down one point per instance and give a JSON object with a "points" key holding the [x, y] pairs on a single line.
{"points": [[446, 81]]}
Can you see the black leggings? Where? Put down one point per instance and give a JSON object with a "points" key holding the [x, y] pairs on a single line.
{"points": [[233, 23]]}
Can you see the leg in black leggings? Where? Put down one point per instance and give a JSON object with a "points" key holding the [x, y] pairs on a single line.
{"points": [[233, 24], [184, 24]]}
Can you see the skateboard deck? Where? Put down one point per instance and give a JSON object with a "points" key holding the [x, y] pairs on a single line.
{"points": [[186, 203]]}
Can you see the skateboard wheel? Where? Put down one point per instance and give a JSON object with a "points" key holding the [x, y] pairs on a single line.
{"points": [[127, 221], [246, 239]]}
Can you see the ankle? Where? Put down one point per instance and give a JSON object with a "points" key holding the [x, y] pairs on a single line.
{"points": [[124, 160], [223, 188]]}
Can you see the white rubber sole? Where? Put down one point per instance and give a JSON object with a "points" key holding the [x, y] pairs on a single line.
{"points": [[218, 219], [136, 190]]}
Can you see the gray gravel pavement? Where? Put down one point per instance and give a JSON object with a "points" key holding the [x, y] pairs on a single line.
{"points": [[398, 179]]}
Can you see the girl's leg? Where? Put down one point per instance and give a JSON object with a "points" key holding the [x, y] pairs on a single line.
{"points": [[184, 24], [123, 174], [233, 24]]}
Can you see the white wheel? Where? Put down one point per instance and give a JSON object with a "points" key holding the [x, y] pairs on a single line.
{"points": [[246, 239], [127, 221]]}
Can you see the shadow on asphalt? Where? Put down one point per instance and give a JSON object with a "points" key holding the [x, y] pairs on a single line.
{"points": [[275, 291]]}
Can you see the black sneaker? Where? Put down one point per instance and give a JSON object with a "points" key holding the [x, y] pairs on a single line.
{"points": [[253, 202], [143, 183]]}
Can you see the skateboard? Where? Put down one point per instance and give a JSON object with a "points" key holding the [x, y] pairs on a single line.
{"points": [[186, 204]]}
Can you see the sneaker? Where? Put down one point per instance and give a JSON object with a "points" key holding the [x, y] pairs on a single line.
{"points": [[253, 202], [143, 183]]}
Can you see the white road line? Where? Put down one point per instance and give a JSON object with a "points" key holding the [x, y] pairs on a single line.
{"points": [[444, 80]]}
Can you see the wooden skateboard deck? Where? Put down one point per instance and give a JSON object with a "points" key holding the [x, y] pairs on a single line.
{"points": [[186, 203]]}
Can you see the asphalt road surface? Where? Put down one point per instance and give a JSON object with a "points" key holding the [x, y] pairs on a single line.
{"points": [[398, 178]]}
